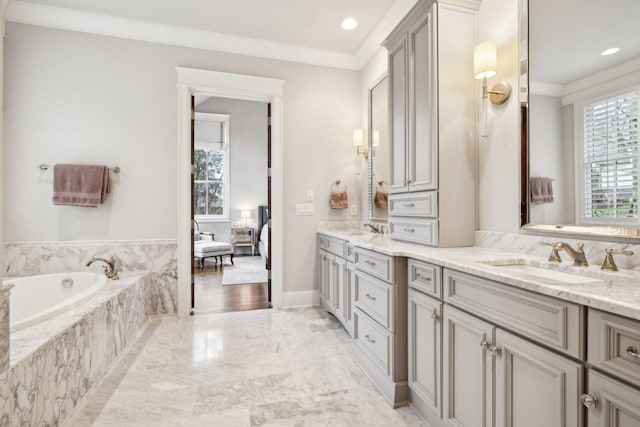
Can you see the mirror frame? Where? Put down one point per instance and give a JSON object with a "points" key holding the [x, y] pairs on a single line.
{"points": [[587, 231], [370, 185]]}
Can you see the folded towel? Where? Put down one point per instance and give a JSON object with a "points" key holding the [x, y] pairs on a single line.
{"points": [[80, 185], [338, 200], [541, 190], [381, 199]]}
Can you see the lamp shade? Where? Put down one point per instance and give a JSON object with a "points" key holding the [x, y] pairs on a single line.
{"points": [[358, 137], [245, 214], [485, 60]]}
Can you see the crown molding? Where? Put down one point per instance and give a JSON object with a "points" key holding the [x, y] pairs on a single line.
{"points": [[73, 20]]}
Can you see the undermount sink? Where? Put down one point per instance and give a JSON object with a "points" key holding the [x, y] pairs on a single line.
{"points": [[525, 267]]}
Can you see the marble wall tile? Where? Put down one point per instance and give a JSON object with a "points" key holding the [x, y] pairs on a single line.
{"points": [[5, 291], [529, 244], [159, 257], [44, 386]]}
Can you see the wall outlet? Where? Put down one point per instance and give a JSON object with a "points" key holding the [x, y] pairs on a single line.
{"points": [[353, 210], [304, 209], [309, 195]]}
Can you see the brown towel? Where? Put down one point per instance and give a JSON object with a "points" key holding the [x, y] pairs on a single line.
{"points": [[541, 190], [381, 199], [339, 200], [80, 185]]}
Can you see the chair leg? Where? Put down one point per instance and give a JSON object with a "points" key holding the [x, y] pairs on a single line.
{"points": [[232, 259], [201, 263]]}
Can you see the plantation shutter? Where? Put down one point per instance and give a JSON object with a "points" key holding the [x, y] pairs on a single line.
{"points": [[611, 158]]}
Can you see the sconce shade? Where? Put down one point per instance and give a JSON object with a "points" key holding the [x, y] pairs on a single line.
{"points": [[358, 137], [485, 60], [375, 138], [245, 214]]}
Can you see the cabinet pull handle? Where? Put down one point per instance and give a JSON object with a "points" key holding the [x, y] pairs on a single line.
{"points": [[588, 401], [371, 297], [434, 315], [633, 352], [370, 262], [409, 205], [421, 277], [368, 337], [410, 230], [349, 251], [495, 351], [484, 344]]}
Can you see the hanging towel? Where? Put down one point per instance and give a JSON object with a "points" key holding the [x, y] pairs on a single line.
{"points": [[80, 185], [541, 190], [381, 198], [338, 198]]}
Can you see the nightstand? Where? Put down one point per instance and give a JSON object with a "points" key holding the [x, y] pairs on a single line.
{"points": [[243, 236]]}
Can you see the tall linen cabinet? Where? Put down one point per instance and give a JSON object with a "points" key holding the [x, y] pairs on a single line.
{"points": [[432, 105]]}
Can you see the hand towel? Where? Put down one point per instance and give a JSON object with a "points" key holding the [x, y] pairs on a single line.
{"points": [[381, 197], [338, 200], [80, 185], [541, 190]]}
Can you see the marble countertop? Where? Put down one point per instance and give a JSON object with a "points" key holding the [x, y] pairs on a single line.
{"points": [[615, 292]]}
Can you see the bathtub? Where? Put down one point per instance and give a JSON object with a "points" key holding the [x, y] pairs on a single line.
{"points": [[38, 298]]}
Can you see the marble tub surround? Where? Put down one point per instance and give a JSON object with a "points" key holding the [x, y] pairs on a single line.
{"points": [[158, 257], [55, 363], [5, 293], [249, 368], [615, 292]]}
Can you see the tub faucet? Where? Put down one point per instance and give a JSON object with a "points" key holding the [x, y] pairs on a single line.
{"points": [[109, 269], [578, 256]]}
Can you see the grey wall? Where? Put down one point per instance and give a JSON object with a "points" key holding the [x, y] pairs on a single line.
{"points": [[73, 97], [247, 160]]}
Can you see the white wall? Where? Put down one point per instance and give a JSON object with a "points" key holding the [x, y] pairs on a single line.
{"points": [[247, 160], [75, 97], [499, 157]]}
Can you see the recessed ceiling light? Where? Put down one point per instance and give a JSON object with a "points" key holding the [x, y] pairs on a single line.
{"points": [[610, 51], [349, 24]]}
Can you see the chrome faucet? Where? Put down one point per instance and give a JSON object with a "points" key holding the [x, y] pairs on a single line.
{"points": [[375, 228], [578, 256], [109, 268]]}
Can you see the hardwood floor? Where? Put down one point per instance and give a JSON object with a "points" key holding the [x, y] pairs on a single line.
{"points": [[212, 297]]}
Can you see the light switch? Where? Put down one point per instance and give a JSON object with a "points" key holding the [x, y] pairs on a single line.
{"points": [[309, 195], [354, 210], [305, 209]]}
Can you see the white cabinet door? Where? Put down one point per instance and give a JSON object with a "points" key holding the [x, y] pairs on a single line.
{"points": [[324, 260], [425, 345], [398, 116], [423, 129], [615, 404], [349, 297], [467, 370], [535, 387], [340, 279]]}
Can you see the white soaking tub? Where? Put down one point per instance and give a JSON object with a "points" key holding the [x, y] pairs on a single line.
{"points": [[38, 298]]}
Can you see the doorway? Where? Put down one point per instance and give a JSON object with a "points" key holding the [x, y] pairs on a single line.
{"points": [[230, 204], [235, 86]]}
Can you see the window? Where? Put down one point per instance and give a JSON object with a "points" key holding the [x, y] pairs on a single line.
{"points": [[610, 159], [211, 167]]}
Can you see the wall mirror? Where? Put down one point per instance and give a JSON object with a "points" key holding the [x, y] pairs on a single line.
{"points": [[378, 141], [579, 91]]}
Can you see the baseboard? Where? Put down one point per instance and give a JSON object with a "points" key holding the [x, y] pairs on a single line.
{"points": [[301, 299]]}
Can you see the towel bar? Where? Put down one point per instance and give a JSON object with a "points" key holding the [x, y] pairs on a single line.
{"points": [[43, 167]]}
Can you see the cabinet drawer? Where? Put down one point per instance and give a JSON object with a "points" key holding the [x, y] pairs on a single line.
{"points": [[376, 298], [556, 323], [374, 340], [424, 205], [614, 345], [374, 263], [417, 231], [332, 245], [425, 277]]}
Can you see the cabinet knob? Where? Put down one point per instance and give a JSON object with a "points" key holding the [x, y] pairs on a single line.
{"points": [[434, 315], [495, 351], [408, 205], [421, 277], [371, 297], [633, 352], [410, 230], [370, 262], [369, 338], [484, 344], [588, 401]]}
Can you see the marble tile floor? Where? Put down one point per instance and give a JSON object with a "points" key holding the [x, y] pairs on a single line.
{"points": [[243, 368]]}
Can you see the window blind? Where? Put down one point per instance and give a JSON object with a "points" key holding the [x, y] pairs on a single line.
{"points": [[611, 158]]}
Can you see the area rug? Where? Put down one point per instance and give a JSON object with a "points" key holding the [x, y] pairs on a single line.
{"points": [[246, 269]]}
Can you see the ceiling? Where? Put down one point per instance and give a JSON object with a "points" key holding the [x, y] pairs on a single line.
{"points": [[567, 37], [301, 25]]}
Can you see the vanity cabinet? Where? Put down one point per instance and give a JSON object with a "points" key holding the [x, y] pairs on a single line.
{"points": [[432, 124], [334, 279], [380, 321], [611, 403]]}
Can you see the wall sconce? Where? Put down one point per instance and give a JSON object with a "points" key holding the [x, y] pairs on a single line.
{"points": [[358, 140], [485, 59], [246, 215], [375, 141]]}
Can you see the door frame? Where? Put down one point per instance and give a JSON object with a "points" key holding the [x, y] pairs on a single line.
{"points": [[235, 86]]}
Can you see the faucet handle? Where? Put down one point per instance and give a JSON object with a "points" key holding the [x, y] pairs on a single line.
{"points": [[609, 264], [555, 256]]}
